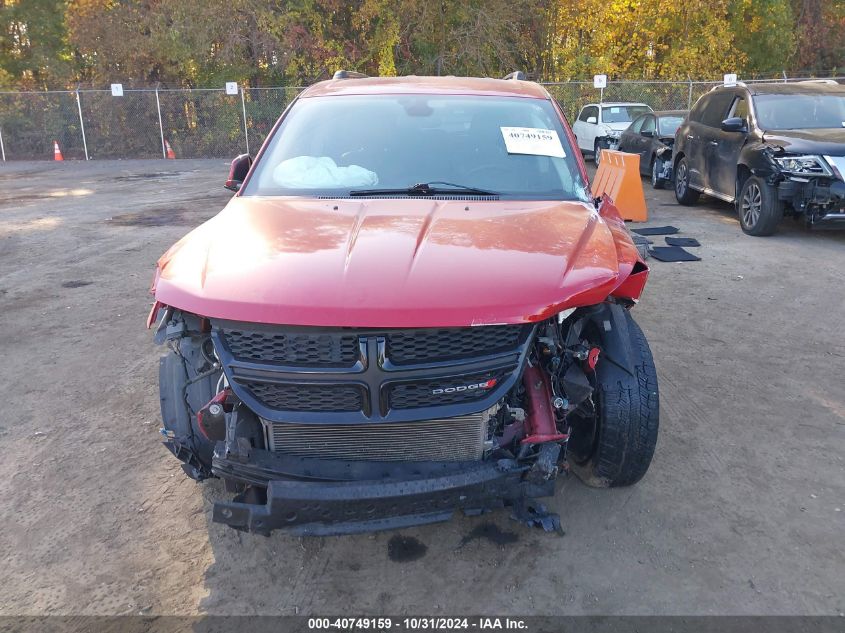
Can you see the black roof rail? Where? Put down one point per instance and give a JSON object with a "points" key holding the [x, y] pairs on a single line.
{"points": [[348, 74], [517, 74]]}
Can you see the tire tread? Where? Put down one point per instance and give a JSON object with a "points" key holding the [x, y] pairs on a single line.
{"points": [[630, 418]]}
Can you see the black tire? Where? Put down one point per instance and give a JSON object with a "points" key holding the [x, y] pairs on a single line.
{"points": [[616, 446], [656, 181], [683, 193], [758, 207], [597, 153]]}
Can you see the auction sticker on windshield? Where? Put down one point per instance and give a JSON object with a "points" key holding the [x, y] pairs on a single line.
{"points": [[532, 140]]}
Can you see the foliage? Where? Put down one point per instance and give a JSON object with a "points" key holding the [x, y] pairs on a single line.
{"points": [[33, 48], [191, 43]]}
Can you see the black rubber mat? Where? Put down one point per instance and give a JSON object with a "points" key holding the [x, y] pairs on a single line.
{"points": [[672, 254], [657, 230], [682, 241]]}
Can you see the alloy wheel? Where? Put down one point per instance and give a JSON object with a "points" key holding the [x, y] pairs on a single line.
{"points": [[681, 180], [752, 203]]}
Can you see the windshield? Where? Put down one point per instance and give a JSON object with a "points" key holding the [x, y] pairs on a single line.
{"points": [[622, 113], [795, 112], [669, 124], [331, 146]]}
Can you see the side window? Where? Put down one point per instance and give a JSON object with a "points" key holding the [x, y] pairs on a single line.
{"points": [[717, 109], [698, 108], [739, 108], [637, 125], [586, 113], [648, 124]]}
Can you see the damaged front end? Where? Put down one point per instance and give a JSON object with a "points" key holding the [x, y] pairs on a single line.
{"points": [[340, 430], [812, 187], [664, 162]]}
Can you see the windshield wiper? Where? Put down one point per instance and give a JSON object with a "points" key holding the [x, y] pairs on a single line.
{"points": [[426, 189]]}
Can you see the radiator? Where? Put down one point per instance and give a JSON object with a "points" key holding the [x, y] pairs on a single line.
{"points": [[448, 439]]}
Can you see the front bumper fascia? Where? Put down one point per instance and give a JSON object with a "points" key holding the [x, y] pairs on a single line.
{"points": [[312, 497], [608, 142]]}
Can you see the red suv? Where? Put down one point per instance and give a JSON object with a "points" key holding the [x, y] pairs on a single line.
{"points": [[412, 305]]}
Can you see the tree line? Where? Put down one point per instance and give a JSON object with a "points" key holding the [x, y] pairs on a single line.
{"points": [[50, 44]]}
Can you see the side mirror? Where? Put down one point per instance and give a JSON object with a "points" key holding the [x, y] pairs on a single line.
{"points": [[592, 119], [647, 133], [734, 124], [238, 171]]}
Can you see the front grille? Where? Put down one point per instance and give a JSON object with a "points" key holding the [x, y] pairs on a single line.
{"points": [[450, 439], [294, 397], [308, 349], [440, 391], [407, 346], [320, 375]]}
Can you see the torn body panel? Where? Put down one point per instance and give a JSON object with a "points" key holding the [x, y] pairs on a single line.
{"points": [[332, 465], [367, 496]]}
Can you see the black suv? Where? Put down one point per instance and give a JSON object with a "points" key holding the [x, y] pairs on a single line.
{"points": [[770, 149]]}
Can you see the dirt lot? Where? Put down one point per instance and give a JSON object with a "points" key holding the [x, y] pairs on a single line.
{"points": [[742, 512]]}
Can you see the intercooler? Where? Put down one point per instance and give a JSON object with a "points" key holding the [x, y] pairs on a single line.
{"points": [[449, 439]]}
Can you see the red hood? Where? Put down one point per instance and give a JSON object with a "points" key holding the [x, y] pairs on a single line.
{"points": [[395, 262]]}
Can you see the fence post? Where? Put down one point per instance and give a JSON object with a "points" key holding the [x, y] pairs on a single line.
{"points": [[160, 126], [2, 147], [689, 94], [243, 109], [81, 123]]}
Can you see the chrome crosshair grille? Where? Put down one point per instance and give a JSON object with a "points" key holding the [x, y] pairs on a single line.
{"points": [[343, 376]]}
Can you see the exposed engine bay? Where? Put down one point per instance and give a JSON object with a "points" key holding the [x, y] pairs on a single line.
{"points": [[327, 431]]}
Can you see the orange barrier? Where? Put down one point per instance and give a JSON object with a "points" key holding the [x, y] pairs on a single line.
{"points": [[618, 176], [57, 153], [169, 150]]}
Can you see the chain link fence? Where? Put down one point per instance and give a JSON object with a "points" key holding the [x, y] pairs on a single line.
{"points": [[209, 123]]}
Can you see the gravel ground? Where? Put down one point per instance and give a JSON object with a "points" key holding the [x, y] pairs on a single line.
{"points": [[741, 512]]}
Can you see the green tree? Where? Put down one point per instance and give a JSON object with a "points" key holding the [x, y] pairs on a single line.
{"points": [[819, 28], [764, 32], [33, 43], [189, 43], [639, 38]]}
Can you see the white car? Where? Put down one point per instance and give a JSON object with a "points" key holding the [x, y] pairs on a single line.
{"points": [[600, 125]]}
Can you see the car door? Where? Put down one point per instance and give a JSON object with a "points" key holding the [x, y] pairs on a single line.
{"points": [[710, 134], [586, 126], [700, 134], [688, 142], [722, 161], [647, 134], [629, 140]]}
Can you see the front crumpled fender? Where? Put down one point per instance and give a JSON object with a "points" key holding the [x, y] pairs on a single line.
{"points": [[633, 271]]}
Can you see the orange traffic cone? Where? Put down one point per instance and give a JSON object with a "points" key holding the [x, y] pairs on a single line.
{"points": [[168, 149], [57, 153]]}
